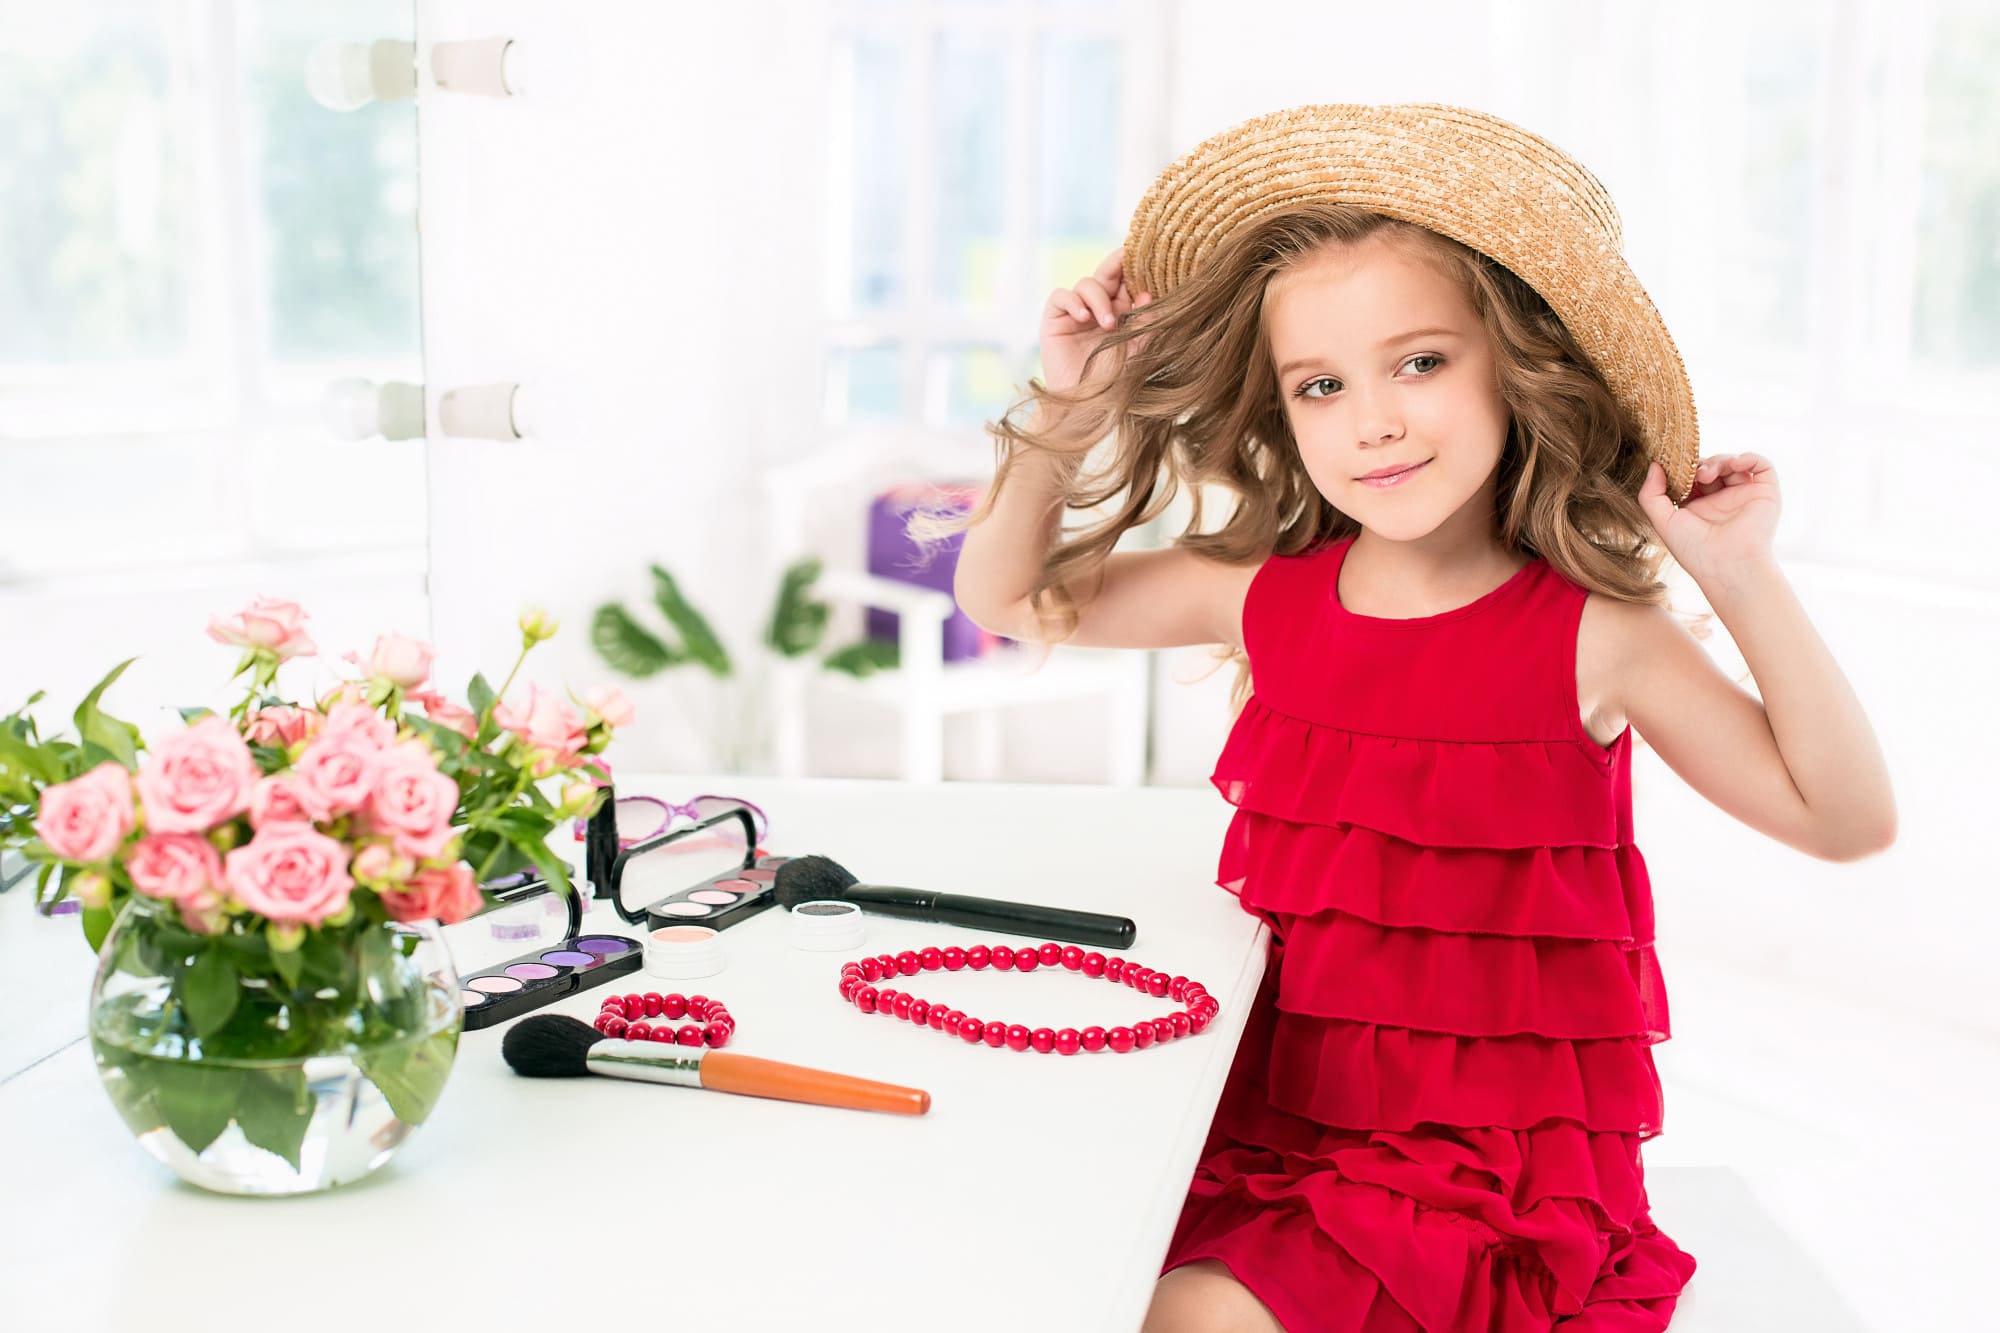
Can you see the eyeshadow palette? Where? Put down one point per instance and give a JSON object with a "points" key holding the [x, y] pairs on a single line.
{"points": [[722, 900], [520, 985]]}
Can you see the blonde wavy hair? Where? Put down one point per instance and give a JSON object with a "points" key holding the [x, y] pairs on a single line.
{"points": [[1192, 400]]}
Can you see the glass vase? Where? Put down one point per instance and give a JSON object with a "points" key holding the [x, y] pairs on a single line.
{"points": [[250, 1070]]}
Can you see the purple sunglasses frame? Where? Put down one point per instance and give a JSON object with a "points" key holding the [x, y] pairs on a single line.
{"points": [[670, 811]]}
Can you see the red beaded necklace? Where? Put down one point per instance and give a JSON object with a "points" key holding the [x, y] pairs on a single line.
{"points": [[856, 987], [625, 1016]]}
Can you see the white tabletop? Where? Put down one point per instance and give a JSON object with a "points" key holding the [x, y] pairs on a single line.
{"points": [[1039, 1189]]}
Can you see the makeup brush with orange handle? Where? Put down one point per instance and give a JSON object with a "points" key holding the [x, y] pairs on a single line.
{"points": [[558, 1046]]}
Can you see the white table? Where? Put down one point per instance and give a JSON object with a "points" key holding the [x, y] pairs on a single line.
{"points": [[1039, 1189]]}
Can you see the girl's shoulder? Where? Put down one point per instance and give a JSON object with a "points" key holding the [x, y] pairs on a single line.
{"points": [[1611, 635]]}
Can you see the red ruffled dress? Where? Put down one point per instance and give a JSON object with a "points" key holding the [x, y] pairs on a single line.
{"points": [[1434, 1120]]}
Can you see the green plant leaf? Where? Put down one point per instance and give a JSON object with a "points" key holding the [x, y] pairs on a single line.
{"points": [[288, 964], [479, 694], [96, 727], [194, 714], [273, 1108], [698, 641], [554, 869], [96, 925], [798, 623], [39, 762], [865, 658], [210, 991], [626, 646], [196, 1100], [411, 1075]]}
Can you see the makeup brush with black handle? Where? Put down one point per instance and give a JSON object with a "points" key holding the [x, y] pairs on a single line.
{"points": [[558, 1046], [808, 879]]}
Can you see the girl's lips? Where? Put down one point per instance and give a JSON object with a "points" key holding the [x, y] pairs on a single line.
{"points": [[1394, 479]]}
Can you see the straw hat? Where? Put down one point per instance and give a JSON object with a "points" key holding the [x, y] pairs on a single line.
{"points": [[1488, 184]]}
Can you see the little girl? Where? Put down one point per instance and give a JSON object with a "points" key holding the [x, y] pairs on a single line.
{"points": [[1453, 436]]}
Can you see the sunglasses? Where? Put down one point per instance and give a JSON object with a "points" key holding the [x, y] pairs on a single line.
{"points": [[641, 817]]}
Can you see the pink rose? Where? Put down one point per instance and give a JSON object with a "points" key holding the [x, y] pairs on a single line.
{"points": [[399, 659], [444, 894], [267, 623], [347, 692], [547, 724], [413, 802], [358, 719], [609, 702], [378, 863], [290, 873], [280, 726], [179, 867], [202, 912], [197, 778], [275, 800], [334, 776], [446, 713], [88, 818]]}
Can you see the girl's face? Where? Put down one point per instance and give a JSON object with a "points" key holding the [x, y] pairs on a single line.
{"points": [[1384, 364]]}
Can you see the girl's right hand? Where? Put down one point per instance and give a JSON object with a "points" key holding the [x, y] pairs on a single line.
{"points": [[1076, 319]]}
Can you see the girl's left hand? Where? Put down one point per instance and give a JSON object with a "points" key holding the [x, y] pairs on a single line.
{"points": [[1729, 518]]}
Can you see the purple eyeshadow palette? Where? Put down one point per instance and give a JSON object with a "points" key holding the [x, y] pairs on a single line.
{"points": [[722, 900], [521, 985]]}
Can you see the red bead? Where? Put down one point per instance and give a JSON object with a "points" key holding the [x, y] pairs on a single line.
{"points": [[638, 1031], [689, 1035], [887, 962], [1026, 960], [701, 1011], [614, 1002], [907, 962], [848, 985], [1003, 958], [904, 1004], [1163, 1031], [652, 999], [855, 968], [715, 1034], [953, 958], [1156, 985], [1114, 969], [1119, 1039], [920, 1011], [1068, 1042], [1017, 1038], [935, 1018], [1177, 987], [1072, 958], [996, 1034], [665, 1033], [1042, 1039], [616, 1027], [1138, 977], [978, 956], [1179, 1020], [635, 1005], [864, 999], [1051, 954], [971, 1030], [1196, 1022], [1092, 1038], [871, 970], [885, 1000], [1094, 964], [931, 959], [1142, 1035]]}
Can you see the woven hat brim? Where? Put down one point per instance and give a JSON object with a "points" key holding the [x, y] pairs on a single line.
{"points": [[1482, 181]]}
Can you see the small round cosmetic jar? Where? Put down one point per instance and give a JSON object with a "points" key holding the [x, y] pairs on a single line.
{"points": [[681, 952], [826, 926]]}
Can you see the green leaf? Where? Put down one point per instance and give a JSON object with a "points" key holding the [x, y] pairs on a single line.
{"points": [[625, 645], [96, 925], [288, 964], [479, 694], [39, 762], [273, 1108], [411, 1075], [100, 728], [697, 639], [210, 991], [865, 658], [554, 869], [194, 714], [798, 623], [196, 1100]]}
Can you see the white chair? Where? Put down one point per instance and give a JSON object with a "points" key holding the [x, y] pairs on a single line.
{"points": [[833, 489]]}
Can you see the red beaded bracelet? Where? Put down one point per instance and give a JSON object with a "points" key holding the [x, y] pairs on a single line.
{"points": [[625, 1016], [856, 987]]}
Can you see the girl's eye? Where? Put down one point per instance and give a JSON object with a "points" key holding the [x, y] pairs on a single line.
{"points": [[1326, 386]]}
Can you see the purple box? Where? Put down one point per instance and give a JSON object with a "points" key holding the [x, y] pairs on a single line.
{"points": [[894, 554]]}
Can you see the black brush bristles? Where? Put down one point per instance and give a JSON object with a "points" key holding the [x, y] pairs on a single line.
{"points": [[807, 879], [550, 1046]]}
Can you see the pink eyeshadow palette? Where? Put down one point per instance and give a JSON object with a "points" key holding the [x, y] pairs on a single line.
{"points": [[520, 985], [722, 900]]}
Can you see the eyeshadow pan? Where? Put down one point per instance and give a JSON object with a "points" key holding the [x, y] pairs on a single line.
{"points": [[736, 885], [531, 971], [569, 958], [603, 944], [681, 909], [494, 985], [713, 897], [468, 998], [760, 876]]}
